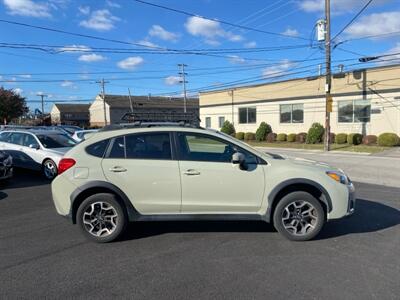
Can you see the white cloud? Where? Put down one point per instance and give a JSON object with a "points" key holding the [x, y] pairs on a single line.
{"points": [[67, 83], [392, 58], [101, 20], [276, 70], [374, 24], [172, 80], [160, 32], [290, 32], [91, 57], [147, 43], [113, 4], [252, 44], [235, 59], [210, 30], [75, 49], [19, 91], [337, 6], [84, 10], [130, 63], [25, 76], [27, 8]]}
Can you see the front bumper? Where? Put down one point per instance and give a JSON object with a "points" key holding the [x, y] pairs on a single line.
{"points": [[351, 206]]}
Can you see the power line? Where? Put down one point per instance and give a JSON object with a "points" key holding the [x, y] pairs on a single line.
{"points": [[353, 19], [218, 20]]}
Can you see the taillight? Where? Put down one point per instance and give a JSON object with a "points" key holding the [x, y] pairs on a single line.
{"points": [[65, 164]]}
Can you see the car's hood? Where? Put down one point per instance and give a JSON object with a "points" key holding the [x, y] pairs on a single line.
{"points": [[59, 151]]}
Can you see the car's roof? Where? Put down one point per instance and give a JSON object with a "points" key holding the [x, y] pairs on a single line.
{"points": [[35, 131]]}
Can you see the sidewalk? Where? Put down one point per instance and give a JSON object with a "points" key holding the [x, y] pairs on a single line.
{"points": [[382, 168]]}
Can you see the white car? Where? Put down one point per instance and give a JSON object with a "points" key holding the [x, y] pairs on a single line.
{"points": [[36, 149], [81, 135]]}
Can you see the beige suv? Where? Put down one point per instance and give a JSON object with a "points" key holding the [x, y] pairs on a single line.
{"points": [[152, 173]]}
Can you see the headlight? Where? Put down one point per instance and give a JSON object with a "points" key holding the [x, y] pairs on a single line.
{"points": [[338, 176]]}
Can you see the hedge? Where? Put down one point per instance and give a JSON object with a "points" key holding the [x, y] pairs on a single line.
{"points": [[354, 139], [249, 136], [240, 135], [331, 137], [370, 140], [281, 137], [262, 131], [315, 133], [388, 139], [341, 138], [271, 137], [291, 137], [228, 128], [301, 137]]}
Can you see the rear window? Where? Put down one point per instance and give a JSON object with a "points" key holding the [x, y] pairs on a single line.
{"points": [[97, 149]]}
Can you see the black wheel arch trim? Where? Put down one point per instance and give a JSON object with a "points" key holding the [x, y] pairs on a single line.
{"points": [[326, 199], [98, 184]]}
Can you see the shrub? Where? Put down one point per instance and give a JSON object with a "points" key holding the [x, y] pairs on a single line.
{"points": [[354, 139], [240, 135], [271, 137], [331, 137], [262, 131], [291, 137], [281, 137], [315, 134], [228, 128], [249, 136], [369, 140], [301, 137], [388, 139], [341, 138]]}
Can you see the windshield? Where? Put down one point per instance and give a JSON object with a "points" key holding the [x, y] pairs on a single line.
{"points": [[56, 140]]}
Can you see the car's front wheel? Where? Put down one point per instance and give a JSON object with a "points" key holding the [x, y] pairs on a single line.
{"points": [[299, 216], [49, 169], [101, 218]]}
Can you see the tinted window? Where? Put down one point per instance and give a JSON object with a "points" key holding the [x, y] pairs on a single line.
{"points": [[148, 146], [4, 136], [286, 113], [208, 122], [297, 113], [247, 115], [97, 149], [345, 114], [221, 121], [291, 113], [118, 148], [56, 140], [16, 138], [362, 110], [29, 140], [199, 147]]}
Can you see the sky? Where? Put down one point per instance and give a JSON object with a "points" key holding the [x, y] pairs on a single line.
{"points": [[139, 46]]}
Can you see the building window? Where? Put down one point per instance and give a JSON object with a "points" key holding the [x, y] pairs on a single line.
{"points": [[291, 113], [221, 121], [208, 122], [354, 111], [247, 115]]}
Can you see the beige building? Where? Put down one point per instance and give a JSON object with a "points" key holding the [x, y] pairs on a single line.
{"points": [[365, 101], [116, 106], [70, 114]]}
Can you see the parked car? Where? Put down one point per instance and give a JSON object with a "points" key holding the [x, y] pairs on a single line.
{"points": [[179, 173], [36, 149], [6, 165], [70, 129], [81, 135]]}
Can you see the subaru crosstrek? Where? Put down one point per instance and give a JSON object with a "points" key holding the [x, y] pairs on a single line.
{"points": [[180, 173]]}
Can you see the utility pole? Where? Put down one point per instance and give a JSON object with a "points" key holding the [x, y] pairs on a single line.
{"points": [[328, 96], [183, 77], [130, 100], [102, 83], [41, 95]]}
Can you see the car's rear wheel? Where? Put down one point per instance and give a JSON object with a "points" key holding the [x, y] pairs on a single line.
{"points": [[49, 169], [299, 216], [101, 218]]}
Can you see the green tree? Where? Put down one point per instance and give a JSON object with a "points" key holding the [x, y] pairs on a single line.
{"points": [[12, 105], [262, 131], [228, 128]]}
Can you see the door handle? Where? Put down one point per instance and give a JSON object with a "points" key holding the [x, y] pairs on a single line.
{"points": [[118, 169], [191, 172]]}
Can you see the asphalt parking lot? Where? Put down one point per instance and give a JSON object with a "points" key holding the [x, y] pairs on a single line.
{"points": [[43, 256]]}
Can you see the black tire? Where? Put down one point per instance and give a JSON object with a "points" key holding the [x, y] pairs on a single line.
{"points": [[291, 201], [120, 220], [50, 175]]}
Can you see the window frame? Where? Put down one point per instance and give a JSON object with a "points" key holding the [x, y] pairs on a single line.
{"points": [[353, 116], [291, 113], [113, 139], [247, 114], [180, 155], [219, 121], [207, 119]]}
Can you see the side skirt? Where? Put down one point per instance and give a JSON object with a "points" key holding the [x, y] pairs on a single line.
{"points": [[202, 217]]}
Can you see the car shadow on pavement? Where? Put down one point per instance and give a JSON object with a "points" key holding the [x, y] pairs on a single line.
{"points": [[369, 216], [24, 178], [138, 230], [3, 195]]}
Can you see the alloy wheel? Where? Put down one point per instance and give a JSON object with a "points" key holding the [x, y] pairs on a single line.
{"points": [[100, 219], [299, 217], [50, 169]]}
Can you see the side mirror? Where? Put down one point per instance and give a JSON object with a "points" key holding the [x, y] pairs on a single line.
{"points": [[34, 146], [238, 158]]}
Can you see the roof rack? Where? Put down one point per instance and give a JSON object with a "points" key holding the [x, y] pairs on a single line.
{"points": [[161, 117], [139, 124]]}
